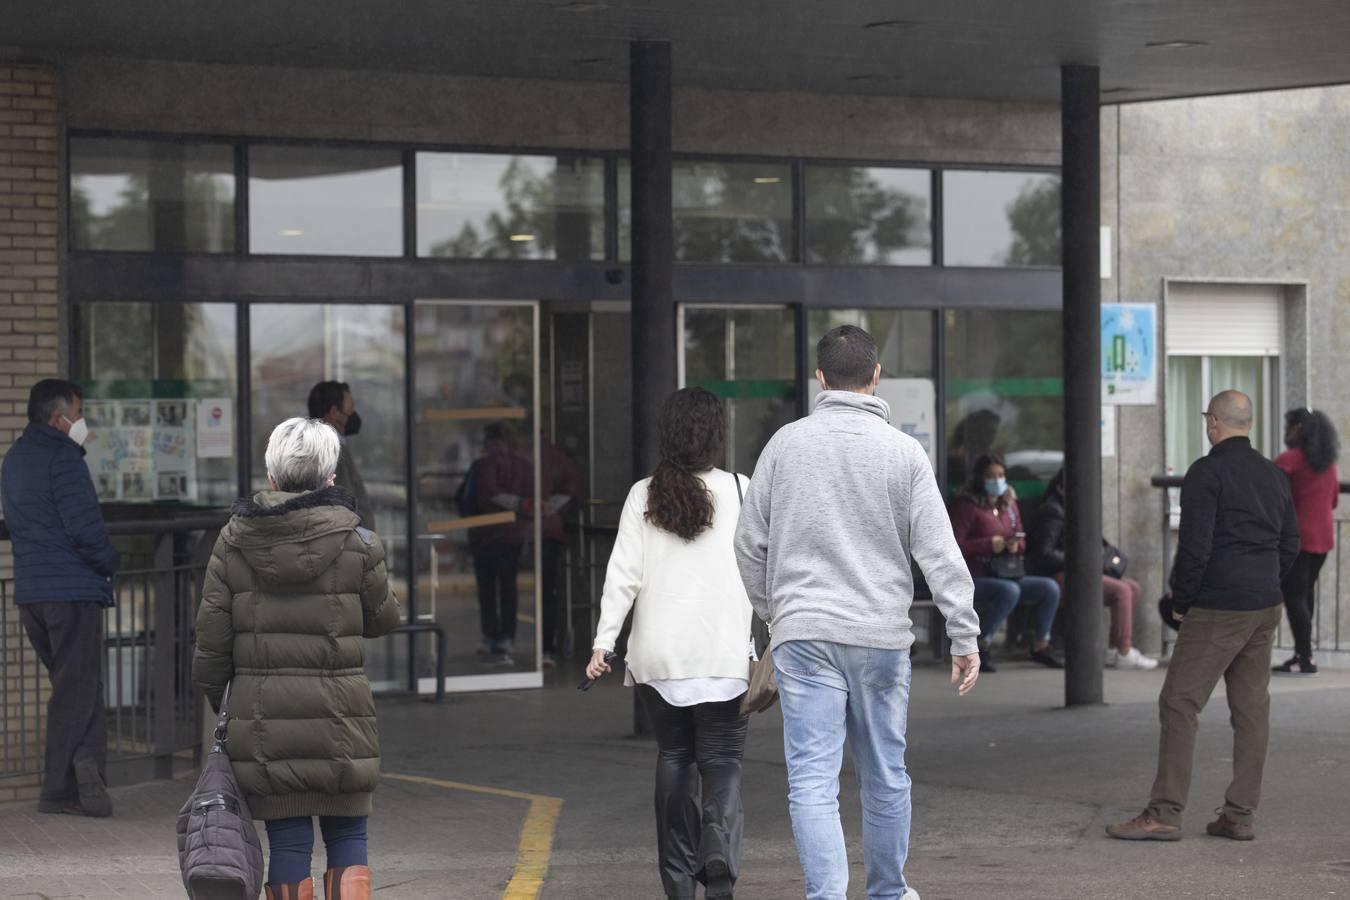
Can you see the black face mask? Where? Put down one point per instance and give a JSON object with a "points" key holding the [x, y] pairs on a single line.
{"points": [[353, 425]]}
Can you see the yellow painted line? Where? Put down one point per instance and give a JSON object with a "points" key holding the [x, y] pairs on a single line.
{"points": [[536, 834]]}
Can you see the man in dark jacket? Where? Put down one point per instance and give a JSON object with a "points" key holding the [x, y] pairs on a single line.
{"points": [[63, 570], [1238, 538], [331, 402]]}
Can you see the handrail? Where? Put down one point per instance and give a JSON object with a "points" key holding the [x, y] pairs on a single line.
{"points": [[438, 630], [199, 522], [1176, 481]]}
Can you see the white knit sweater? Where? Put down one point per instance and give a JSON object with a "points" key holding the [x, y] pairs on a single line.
{"points": [[691, 615]]}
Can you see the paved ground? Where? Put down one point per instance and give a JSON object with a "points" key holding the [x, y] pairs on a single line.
{"points": [[1011, 795]]}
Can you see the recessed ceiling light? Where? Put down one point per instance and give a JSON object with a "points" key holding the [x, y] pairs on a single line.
{"points": [[1174, 45], [292, 232], [891, 24], [1119, 90], [522, 238], [768, 179]]}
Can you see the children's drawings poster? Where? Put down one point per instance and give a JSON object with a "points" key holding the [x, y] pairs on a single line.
{"points": [[141, 451]]}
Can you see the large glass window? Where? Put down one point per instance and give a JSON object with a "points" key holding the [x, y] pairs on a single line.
{"points": [[725, 212], [325, 201], [1004, 395], [1000, 218], [167, 196], [747, 356], [1193, 380], [160, 387], [292, 348], [491, 206], [869, 215]]}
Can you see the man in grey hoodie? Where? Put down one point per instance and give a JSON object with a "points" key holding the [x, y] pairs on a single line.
{"points": [[840, 506]]}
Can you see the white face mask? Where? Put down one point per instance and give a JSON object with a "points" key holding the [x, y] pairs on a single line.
{"points": [[79, 431]]}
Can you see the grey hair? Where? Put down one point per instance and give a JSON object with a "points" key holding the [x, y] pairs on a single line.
{"points": [[302, 455]]}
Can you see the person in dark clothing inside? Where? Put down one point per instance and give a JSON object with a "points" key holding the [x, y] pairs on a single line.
{"points": [[1238, 539], [1310, 463], [64, 564], [331, 402], [503, 481], [561, 486]]}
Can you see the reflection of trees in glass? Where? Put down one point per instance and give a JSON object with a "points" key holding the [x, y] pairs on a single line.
{"points": [[854, 218], [723, 215], [1035, 220], [202, 219], [531, 207]]}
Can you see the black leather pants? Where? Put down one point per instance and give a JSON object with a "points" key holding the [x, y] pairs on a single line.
{"points": [[703, 742]]}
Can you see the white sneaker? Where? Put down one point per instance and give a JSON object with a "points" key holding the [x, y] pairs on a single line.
{"points": [[911, 894], [1112, 657], [1135, 660]]}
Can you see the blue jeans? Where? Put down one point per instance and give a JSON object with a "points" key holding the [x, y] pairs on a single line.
{"points": [[996, 598], [830, 691], [291, 843]]}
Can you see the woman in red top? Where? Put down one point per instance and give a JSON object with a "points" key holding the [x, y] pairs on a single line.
{"points": [[988, 524], [1310, 463]]}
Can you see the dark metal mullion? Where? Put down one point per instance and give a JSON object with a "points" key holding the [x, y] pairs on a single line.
{"points": [[243, 403], [940, 391], [612, 208], [804, 369], [410, 459], [799, 211], [241, 196], [410, 204], [935, 215]]}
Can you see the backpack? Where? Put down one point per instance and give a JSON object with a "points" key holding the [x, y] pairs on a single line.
{"points": [[218, 848], [465, 501]]}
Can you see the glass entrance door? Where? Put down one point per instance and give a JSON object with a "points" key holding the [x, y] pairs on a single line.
{"points": [[477, 446], [747, 355]]}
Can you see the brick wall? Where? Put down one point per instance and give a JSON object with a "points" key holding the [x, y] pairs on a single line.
{"points": [[30, 305]]}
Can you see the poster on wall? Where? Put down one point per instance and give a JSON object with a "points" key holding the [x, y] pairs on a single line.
{"points": [[215, 428], [140, 450], [1129, 354]]}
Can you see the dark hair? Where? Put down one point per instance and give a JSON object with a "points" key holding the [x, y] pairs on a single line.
{"points": [[982, 464], [325, 395], [1056, 485], [693, 430], [51, 395], [847, 357], [1316, 437]]}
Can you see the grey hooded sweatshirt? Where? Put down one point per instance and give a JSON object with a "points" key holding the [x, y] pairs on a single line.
{"points": [[840, 505]]}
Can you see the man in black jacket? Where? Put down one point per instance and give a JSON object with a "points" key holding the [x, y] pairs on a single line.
{"points": [[1238, 538]]}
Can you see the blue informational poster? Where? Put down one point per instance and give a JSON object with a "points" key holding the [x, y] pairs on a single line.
{"points": [[1130, 354]]}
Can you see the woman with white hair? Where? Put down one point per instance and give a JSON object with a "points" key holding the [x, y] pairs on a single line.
{"points": [[293, 587]]}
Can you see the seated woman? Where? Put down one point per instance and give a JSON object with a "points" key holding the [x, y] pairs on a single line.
{"points": [[988, 528], [1120, 595]]}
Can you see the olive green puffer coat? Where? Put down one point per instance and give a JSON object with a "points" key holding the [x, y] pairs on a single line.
{"points": [[292, 590]]}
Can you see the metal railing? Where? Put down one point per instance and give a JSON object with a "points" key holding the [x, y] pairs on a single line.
{"points": [[153, 710], [1331, 630]]}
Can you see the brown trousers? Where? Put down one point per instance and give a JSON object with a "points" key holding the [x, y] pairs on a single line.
{"points": [[1213, 643]]}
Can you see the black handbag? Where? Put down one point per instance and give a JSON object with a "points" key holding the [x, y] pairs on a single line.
{"points": [[1009, 566], [1114, 562], [218, 848]]}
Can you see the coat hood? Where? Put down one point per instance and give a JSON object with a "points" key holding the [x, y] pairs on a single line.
{"points": [[290, 538], [851, 401]]}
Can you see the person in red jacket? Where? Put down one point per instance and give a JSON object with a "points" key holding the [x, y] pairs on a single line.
{"points": [[1310, 463], [988, 524]]}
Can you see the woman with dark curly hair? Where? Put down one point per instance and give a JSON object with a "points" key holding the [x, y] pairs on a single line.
{"points": [[1310, 463], [674, 566]]}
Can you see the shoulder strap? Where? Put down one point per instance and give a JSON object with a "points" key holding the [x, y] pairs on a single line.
{"points": [[223, 720], [740, 494]]}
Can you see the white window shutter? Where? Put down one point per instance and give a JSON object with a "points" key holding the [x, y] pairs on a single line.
{"points": [[1224, 319]]}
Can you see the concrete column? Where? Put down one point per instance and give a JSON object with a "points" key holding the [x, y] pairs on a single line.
{"points": [[653, 328], [1080, 120]]}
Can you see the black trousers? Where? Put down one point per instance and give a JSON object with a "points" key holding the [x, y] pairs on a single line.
{"points": [[551, 551], [68, 638], [704, 742], [496, 567], [1300, 591]]}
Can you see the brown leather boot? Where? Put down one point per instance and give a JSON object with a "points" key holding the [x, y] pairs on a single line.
{"points": [[1144, 827], [350, 883], [302, 891], [1230, 828]]}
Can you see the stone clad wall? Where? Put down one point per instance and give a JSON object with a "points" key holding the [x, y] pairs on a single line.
{"points": [[30, 329]]}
